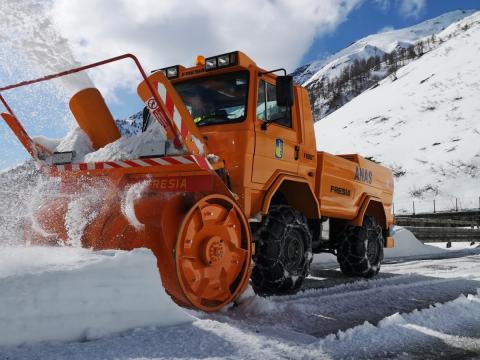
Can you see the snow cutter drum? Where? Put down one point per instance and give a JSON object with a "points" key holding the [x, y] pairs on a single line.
{"points": [[180, 208]]}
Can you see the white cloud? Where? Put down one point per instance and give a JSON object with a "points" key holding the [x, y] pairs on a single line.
{"points": [[275, 33], [412, 8], [383, 4], [407, 8], [385, 29]]}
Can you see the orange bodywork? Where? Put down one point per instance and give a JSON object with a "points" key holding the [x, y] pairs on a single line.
{"points": [[193, 212]]}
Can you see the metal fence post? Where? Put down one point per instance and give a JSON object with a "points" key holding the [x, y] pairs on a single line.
{"points": [[434, 210], [413, 202], [456, 204]]}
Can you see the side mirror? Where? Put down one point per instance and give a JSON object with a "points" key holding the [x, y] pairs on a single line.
{"points": [[285, 90]]}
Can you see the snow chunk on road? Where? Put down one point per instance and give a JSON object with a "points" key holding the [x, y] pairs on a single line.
{"points": [[73, 294], [441, 330]]}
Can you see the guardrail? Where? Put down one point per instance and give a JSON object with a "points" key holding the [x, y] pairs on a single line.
{"points": [[445, 234], [433, 206]]}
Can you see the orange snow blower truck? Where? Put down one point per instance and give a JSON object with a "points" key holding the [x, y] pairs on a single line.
{"points": [[246, 196]]}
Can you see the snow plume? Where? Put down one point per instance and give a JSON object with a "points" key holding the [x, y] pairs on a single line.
{"points": [[83, 207], [79, 215], [168, 32], [22, 191], [28, 30], [131, 196], [32, 47]]}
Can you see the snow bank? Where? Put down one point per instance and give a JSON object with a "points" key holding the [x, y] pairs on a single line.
{"points": [[456, 245], [406, 244], [69, 294]]}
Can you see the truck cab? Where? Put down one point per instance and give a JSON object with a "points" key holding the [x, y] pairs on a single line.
{"points": [[234, 104]]}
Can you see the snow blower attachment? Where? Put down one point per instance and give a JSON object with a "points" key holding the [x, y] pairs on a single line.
{"points": [[241, 169], [184, 212]]}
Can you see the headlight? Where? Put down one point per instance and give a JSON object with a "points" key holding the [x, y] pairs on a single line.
{"points": [[210, 63], [172, 72], [223, 60]]}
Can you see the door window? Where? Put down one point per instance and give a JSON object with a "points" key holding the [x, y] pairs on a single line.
{"points": [[267, 108]]}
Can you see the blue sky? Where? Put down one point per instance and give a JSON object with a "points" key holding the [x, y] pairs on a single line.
{"points": [[372, 16], [171, 32]]}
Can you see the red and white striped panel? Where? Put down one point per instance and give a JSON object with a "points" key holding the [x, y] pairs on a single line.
{"points": [[147, 162], [173, 112], [172, 109]]}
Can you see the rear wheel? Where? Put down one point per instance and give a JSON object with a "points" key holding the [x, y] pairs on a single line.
{"points": [[360, 248], [283, 252]]}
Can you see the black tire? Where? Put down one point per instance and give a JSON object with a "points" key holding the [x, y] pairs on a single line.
{"points": [[283, 252], [360, 248]]}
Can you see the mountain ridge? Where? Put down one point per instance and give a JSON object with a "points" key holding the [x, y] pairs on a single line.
{"points": [[316, 75]]}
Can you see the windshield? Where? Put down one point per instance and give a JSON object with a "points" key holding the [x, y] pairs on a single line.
{"points": [[219, 99]]}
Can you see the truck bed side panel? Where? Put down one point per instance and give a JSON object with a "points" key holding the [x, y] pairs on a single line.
{"points": [[344, 181]]}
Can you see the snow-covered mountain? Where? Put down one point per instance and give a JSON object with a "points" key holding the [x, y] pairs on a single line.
{"points": [[316, 75], [131, 125], [424, 125]]}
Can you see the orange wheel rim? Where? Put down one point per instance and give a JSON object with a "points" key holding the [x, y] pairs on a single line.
{"points": [[213, 253]]}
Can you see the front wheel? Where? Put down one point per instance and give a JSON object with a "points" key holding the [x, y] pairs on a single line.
{"points": [[283, 252], [360, 248]]}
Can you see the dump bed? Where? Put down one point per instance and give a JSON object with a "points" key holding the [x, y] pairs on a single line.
{"points": [[344, 181]]}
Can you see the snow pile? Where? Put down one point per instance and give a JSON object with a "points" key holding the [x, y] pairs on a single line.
{"points": [[406, 244], [129, 146], [424, 126], [76, 140], [67, 294]]}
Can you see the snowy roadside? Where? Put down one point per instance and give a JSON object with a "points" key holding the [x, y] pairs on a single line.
{"points": [[73, 294], [327, 321], [449, 329]]}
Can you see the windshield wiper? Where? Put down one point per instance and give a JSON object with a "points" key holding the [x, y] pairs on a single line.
{"points": [[202, 119]]}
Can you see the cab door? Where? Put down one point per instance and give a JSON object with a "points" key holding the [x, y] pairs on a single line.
{"points": [[276, 139]]}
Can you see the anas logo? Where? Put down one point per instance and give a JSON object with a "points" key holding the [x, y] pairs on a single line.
{"points": [[278, 148], [363, 175]]}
